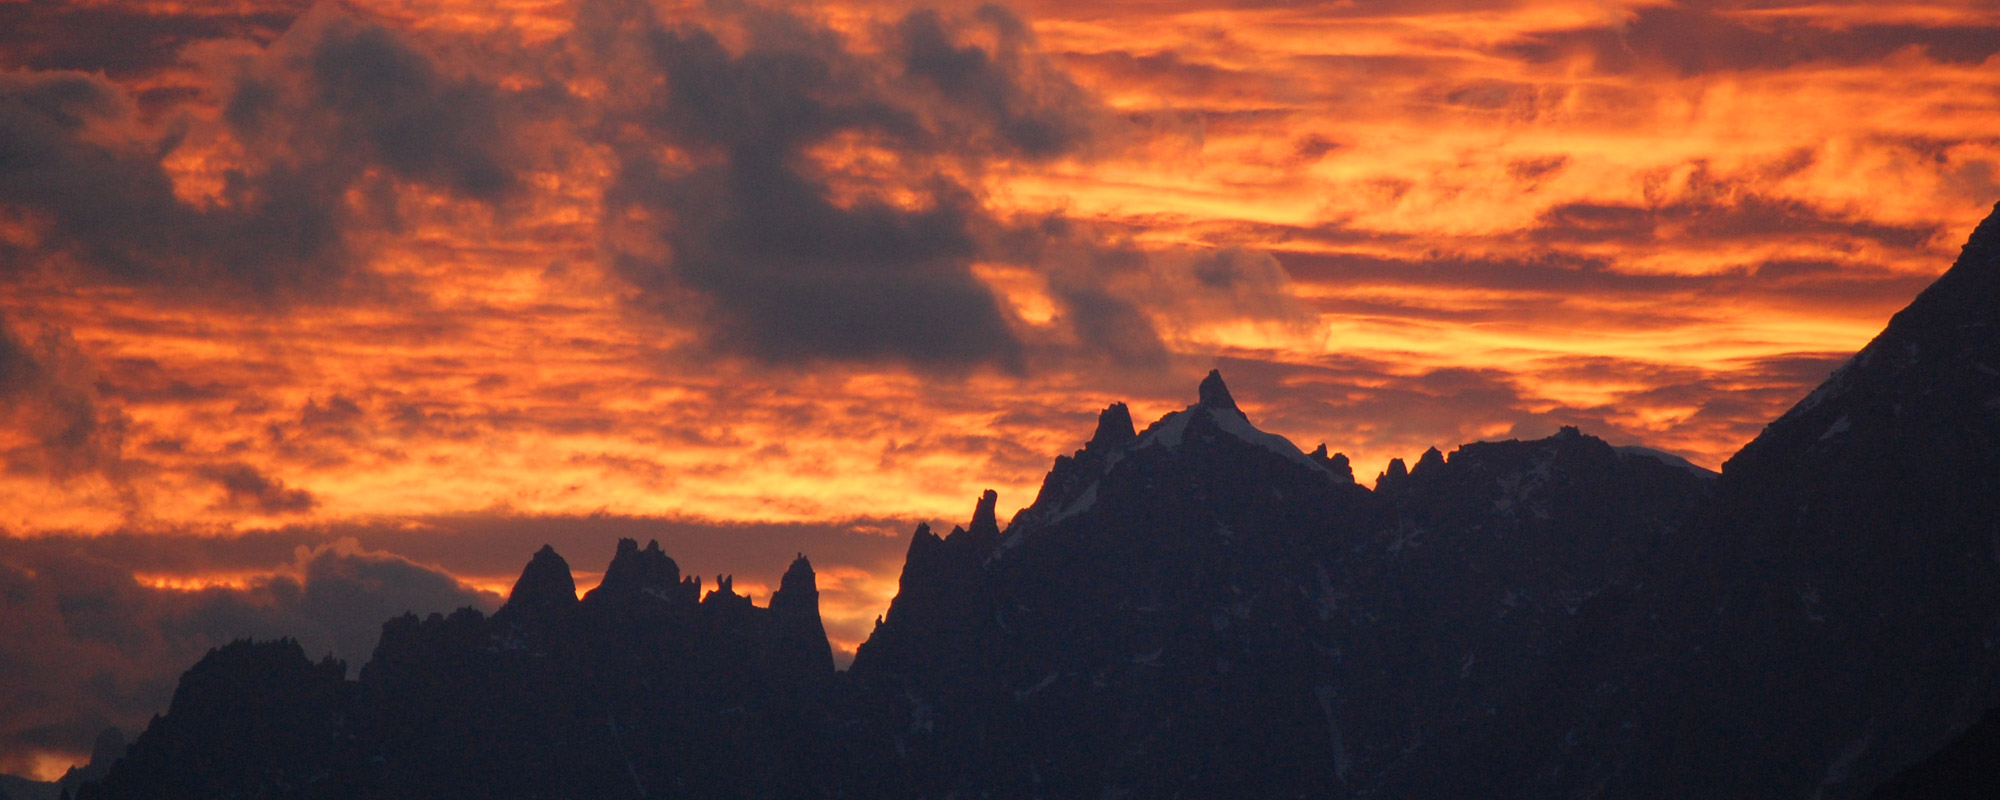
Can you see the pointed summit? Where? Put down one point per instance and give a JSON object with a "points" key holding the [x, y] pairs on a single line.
{"points": [[1430, 461], [1114, 428], [798, 579], [984, 523], [800, 655], [545, 584], [1215, 394], [1392, 476]]}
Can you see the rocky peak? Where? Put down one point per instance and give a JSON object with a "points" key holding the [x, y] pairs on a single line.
{"points": [[801, 650], [1114, 428], [1336, 465], [798, 581], [1428, 462], [1214, 393], [1393, 475], [923, 544], [798, 593], [545, 584], [985, 524], [636, 573]]}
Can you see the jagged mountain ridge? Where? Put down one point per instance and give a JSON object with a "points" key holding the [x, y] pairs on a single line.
{"points": [[638, 689], [1203, 610], [1211, 544]]}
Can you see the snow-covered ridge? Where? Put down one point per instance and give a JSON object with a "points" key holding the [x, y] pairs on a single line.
{"points": [[1172, 428], [1666, 458]]}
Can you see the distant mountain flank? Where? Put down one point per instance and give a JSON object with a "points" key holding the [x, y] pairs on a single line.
{"points": [[1203, 609]]}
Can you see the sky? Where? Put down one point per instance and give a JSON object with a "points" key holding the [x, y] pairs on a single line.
{"points": [[312, 313]]}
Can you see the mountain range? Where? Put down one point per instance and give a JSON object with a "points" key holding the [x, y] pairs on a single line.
{"points": [[1203, 609]]}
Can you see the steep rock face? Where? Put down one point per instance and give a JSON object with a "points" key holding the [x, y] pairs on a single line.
{"points": [[800, 656], [1204, 610], [250, 720], [1836, 617]]}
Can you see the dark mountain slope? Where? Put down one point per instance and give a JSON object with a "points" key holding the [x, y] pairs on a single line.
{"points": [[1836, 617], [1968, 768]]}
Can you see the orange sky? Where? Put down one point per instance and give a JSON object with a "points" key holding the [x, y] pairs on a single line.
{"points": [[383, 276]]}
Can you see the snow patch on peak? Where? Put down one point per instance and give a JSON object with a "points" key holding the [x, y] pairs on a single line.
{"points": [[1172, 428], [1666, 458]]}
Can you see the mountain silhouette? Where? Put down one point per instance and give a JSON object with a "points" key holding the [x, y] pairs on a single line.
{"points": [[1203, 609], [1831, 621], [108, 747]]}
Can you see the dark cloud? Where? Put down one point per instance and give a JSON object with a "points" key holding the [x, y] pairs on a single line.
{"points": [[791, 252], [85, 645], [47, 390], [789, 273], [1013, 98], [246, 488], [1112, 326], [352, 94], [330, 102], [1690, 39], [1557, 286], [1746, 216], [125, 42]]}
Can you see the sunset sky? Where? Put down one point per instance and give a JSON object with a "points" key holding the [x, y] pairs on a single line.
{"points": [[313, 313]]}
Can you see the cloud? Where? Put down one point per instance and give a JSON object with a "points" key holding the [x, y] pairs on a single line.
{"points": [[244, 487], [1703, 38], [125, 42], [1015, 101], [313, 117], [788, 270], [47, 393], [820, 201], [343, 95], [86, 644]]}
